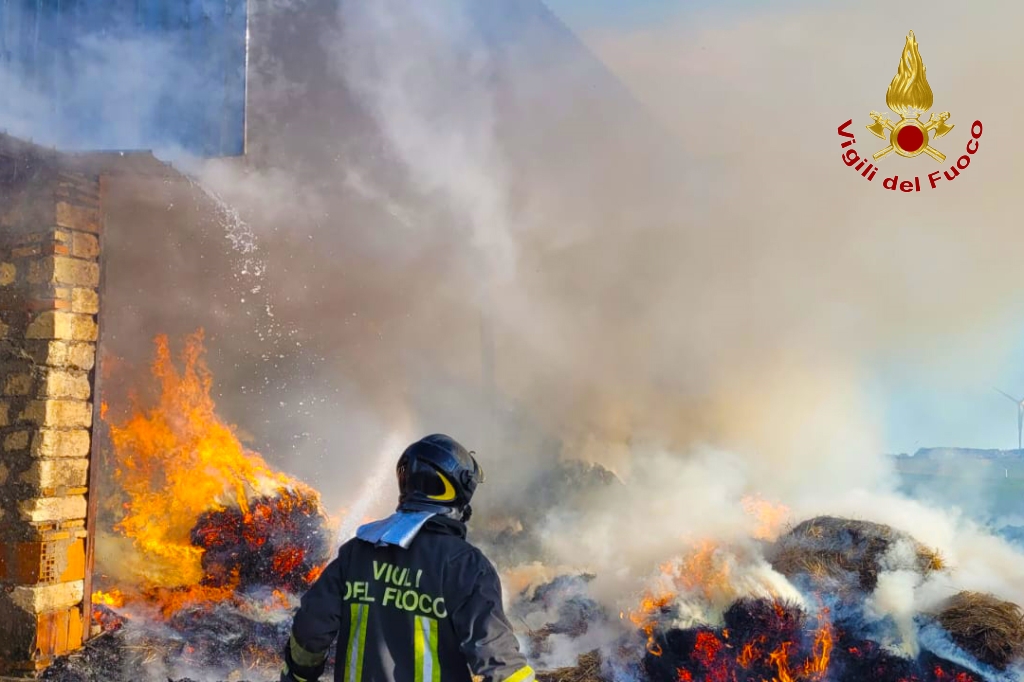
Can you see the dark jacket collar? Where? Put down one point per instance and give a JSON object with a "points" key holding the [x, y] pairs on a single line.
{"points": [[444, 525]]}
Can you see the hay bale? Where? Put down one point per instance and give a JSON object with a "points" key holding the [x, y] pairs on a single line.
{"points": [[587, 669], [984, 626], [563, 605], [846, 554]]}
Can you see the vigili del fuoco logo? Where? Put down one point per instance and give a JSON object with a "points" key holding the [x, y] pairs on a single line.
{"points": [[909, 95]]}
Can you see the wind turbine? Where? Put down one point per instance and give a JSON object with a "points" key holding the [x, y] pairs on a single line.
{"points": [[1020, 417]]}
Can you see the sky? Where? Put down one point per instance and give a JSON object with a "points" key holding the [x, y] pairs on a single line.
{"points": [[918, 405]]}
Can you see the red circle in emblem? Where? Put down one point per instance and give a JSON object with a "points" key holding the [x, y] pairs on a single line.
{"points": [[910, 138]]}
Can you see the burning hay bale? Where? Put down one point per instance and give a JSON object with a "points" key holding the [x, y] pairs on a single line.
{"points": [[984, 626], [279, 542], [761, 639], [846, 554], [773, 621]]}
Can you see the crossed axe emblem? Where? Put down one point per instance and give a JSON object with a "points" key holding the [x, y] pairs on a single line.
{"points": [[936, 122]]}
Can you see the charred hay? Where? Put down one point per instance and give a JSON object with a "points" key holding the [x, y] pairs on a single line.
{"points": [[846, 555], [217, 639], [587, 669], [766, 640], [753, 629], [564, 607], [984, 626], [278, 542]]}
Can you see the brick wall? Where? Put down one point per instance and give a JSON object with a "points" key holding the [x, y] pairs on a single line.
{"points": [[49, 279]]}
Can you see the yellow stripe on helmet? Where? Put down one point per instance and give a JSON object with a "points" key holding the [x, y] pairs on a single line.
{"points": [[449, 490]]}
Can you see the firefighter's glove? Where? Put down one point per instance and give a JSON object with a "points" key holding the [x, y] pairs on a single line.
{"points": [[301, 665]]}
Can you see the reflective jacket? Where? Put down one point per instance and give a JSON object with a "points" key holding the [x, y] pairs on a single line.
{"points": [[429, 613]]}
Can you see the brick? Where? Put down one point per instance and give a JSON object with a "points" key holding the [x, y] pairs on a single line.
{"points": [[47, 534], [4, 475], [18, 384], [51, 474], [85, 301], [55, 324], [65, 384], [51, 634], [8, 272], [17, 440], [74, 568], [52, 353], [43, 562], [84, 245], [58, 413], [56, 633], [27, 250], [57, 269], [77, 217], [5, 413], [42, 598], [55, 443], [43, 509], [81, 356], [76, 633], [62, 354], [85, 186], [37, 304]]}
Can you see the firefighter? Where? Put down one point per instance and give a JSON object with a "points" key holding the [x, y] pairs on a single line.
{"points": [[409, 599]]}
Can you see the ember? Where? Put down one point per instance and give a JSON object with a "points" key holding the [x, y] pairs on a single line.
{"points": [[281, 542], [770, 640]]}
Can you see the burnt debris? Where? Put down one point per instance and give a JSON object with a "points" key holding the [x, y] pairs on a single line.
{"points": [[280, 542]]}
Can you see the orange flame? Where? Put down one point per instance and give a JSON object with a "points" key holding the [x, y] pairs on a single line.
{"points": [[176, 460], [770, 517], [704, 571], [646, 617], [817, 666], [113, 599], [780, 659], [750, 653]]}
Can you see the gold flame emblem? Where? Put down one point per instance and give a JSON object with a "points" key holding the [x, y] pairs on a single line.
{"points": [[909, 95]]}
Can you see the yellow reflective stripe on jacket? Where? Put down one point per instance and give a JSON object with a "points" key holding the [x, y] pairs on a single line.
{"points": [[427, 663], [356, 643], [524, 674]]}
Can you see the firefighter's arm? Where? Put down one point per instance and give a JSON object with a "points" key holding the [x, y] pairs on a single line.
{"points": [[485, 634], [315, 626]]}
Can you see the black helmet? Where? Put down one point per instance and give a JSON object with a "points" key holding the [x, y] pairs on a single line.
{"points": [[437, 474]]}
